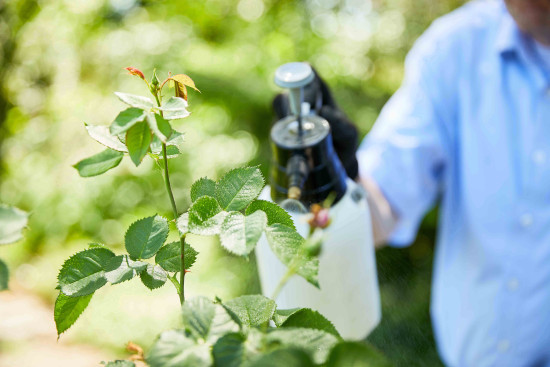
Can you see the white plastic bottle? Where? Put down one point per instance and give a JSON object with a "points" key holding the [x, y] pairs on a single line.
{"points": [[348, 294]]}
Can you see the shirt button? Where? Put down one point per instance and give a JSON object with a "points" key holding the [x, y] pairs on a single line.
{"points": [[539, 157], [513, 284], [503, 345], [526, 220]]}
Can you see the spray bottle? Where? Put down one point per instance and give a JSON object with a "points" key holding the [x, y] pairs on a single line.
{"points": [[306, 170]]}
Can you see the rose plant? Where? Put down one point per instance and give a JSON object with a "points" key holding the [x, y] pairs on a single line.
{"points": [[246, 331]]}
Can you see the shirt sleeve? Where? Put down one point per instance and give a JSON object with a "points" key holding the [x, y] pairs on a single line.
{"points": [[406, 152]]}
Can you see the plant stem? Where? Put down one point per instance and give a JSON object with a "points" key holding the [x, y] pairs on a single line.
{"points": [[175, 210], [181, 292], [182, 271], [290, 271]]}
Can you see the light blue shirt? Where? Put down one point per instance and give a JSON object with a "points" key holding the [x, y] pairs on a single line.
{"points": [[470, 126]]}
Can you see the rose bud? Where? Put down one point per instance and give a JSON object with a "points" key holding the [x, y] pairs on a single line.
{"points": [[135, 72]]}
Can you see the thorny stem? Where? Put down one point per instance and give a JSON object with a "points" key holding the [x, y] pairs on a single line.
{"points": [[175, 210]]}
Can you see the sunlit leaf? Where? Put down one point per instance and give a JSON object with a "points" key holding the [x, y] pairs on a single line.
{"points": [[174, 145], [12, 223], [205, 320], [175, 349], [84, 272], [182, 223], [239, 234], [175, 108], [145, 237], [205, 217], [201, 187], [68, 309], [99, 163], [153, 277], [135, 101], [138, 139], [185, 80], [238, 187], [275, 214], [122, 268], [287, 244], [252, 310], [102, 135], [126, 119]]}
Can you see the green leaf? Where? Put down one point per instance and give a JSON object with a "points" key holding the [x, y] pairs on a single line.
{"points": [[145, 237], [205, 217], [121, 268], [230, 350], [99, 163], [311, 319], [203, 186], [287, 357], [316, 343], [4, 276], [12, 223], [182, 223], [252, 310], [175, 349], [120, 363], [154, 277], [280, 316], [138, 139], [239, 187], [169, 256], [287, 244], [159, 126], [84, 272], [102, 135], [275, 214], [136, 101], [239, 234], [175, 108], [356, 354], [205, 320], [68, 309], [126, 119], [174, 145]]}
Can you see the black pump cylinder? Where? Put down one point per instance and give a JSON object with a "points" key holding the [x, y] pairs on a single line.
{"points": [[324, 173]]}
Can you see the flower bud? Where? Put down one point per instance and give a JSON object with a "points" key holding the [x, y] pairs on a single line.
{"points": [[319, 217], [136, 72]]}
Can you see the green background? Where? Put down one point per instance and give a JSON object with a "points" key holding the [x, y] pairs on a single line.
{"points": [[60, 62]]}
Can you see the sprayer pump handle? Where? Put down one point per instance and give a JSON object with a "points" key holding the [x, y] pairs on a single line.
{"points": [[294, 75]]}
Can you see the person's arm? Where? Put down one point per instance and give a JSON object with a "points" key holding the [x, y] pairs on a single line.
{"points": [[383, 218]]}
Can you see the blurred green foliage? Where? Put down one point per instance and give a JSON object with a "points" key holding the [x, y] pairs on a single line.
{"points": [[60, 61]]}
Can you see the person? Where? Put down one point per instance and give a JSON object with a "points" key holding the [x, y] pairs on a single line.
{"points": [[470, 128]]}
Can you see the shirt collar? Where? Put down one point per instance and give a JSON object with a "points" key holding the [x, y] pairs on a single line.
{"points": [[508, 39], [511, 41]]}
